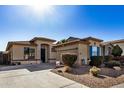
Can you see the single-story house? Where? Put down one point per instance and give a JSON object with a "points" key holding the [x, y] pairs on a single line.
{"points": [[40, 49], [36, 50]]}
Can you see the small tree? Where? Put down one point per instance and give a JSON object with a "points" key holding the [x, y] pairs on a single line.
{"points": [[96, 61], [62, 41], [116, 51]]}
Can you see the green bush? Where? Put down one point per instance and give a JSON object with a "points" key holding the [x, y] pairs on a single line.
{"points": [[107, 58], [94, 71], [62, 41], [96, 61], [116, 51], [69, 59], [113, 63]]}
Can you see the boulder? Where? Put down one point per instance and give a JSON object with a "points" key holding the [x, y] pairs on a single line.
{"points": [[67, 69], [60, 71], [117, 68]]}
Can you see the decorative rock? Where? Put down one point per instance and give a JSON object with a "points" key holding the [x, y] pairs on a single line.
{"points": [[60, 71], [103, 65], [67, 69], [117, 68]]}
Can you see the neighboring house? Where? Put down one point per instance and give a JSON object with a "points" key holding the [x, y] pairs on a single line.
{"points": [[4, 58], [109, 45], [41, 49]]}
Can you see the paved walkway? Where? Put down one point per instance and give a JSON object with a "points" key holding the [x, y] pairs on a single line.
{"points": [[24, 78]]}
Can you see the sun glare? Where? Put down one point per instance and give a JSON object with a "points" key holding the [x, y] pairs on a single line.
{"points": [[41, 9]]}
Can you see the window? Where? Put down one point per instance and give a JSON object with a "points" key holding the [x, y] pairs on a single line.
{"points": [[94, 51], [29, 53]]}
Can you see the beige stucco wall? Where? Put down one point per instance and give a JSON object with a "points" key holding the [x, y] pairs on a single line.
{"points": [[106, 49], [49, 53], [81, 50], [39, 42], [18, 51], [11, 53], [18, 54], [27, 62], [83, 53], [66, 49], [97, 43], [52, 58]]}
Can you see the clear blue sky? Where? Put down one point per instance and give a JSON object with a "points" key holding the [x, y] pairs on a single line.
{"points": [[22, 23]]}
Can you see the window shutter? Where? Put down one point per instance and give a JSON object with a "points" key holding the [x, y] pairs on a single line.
{"points": [[98, 51], [90, 51]]}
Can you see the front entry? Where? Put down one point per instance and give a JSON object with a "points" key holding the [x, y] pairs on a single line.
{"points": [[43, 55]]}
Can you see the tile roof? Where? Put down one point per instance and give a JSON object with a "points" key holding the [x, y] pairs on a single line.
{"points": [[73, 38], [19, 43], [87, 38], [113, 42], [43, 38], [92, 38], [31, 42]]}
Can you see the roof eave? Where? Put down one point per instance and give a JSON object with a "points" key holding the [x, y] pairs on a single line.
{"points": [[42, 38], [92, 38], [76, 41]]}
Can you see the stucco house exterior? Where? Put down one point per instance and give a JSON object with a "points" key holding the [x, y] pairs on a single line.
{"points": [[36, 50], [40, 49], [83, 48], [108, 46]]}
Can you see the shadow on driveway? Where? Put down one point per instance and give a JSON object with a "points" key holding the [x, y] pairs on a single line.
{"points": [[30, 67]]}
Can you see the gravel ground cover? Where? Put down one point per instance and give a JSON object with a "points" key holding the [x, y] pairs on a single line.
{"points": [[108, 77]]}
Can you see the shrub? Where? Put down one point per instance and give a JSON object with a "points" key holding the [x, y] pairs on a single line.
{"points": [[69, 59], [94, 71], [107, 58], [96, 61], [116, 51], [116, 58], [121, 59], [111, 64], [19, 63]]}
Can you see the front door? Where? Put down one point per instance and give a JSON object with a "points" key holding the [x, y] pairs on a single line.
{"points": [[43, 55]]}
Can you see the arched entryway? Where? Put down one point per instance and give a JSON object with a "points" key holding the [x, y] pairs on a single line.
{"points": [[44, 53]]}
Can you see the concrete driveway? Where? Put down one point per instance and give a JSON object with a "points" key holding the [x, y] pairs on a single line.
{"points": [[30, 67], [37, 77]]}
